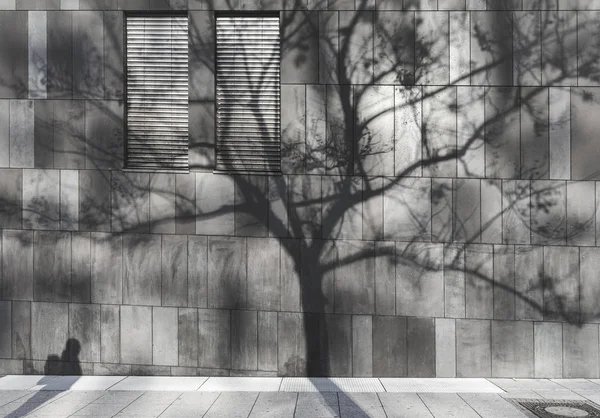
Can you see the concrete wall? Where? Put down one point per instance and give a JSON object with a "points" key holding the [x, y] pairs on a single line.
{"points": [[436, 215]]}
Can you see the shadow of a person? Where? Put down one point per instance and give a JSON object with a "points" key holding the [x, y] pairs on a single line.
{"points": [[50, 386]]}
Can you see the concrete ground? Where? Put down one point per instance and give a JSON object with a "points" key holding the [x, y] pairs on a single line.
{"points": [[232, 397]]}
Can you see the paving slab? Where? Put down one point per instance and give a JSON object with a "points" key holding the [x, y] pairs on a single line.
{"points": [[232, 405], [23, 382], [446, 385], [241, 384], [323, 405], [489, 405], [274, 405], [447, 405]]}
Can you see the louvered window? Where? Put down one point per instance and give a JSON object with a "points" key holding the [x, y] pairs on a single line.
{"points": [[157, 92], [248, 102]]}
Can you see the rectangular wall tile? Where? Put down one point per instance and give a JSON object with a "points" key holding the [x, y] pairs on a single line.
{"points": [[21, 330], [130, 211], [141, 269], [185, 203], [107, 268], [303, 189], [290, 275], [491, 211], [104, 134], [580, 345], [202, 44], [561, 287], [316, 126], [339, 340], [527, 48], [433, 31], [420, 337], [165, 336], [372, 205], [504, 282], [389, 346], [502, 134], [22, 134], [52, 266], [38, 54], [227, 285], [583, 124], [512, 349], [251, 211], [548, 214], [6, 329], [5, 133], [459, 46], [354, 287], [264, 274], [244, 340], [473, 348], [94, 200], [581, 222], [110, 331], [88, 54], [362, 346], [214, 204], [49, 329], [338, 150], [479, 298], [277, 190], [201, 135], [345, 222], [445, 347], [291, 343], [60, 54], [14, 56], [317, 295], [560, 133], [43, 134], [516, 212], [442, 210], [174, 270], [529, 276], [17, 265], [467, 207], [589, 311], [394, 38], [328, 47], [548, 345], [41, 190], [534, 133], [113, 55], [489, 26], [407, 209], [197, 271], [470, 124], [69, 200], [215, 338], [267, 341], [84, 326], [162, 203], [136, 334], [11, 182], [356, 35], [385, 278], [408, 115], [300, 41], [454, 281], [188, 337]]}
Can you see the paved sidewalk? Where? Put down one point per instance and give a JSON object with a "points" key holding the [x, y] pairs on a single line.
{"points": [[109, 396]]}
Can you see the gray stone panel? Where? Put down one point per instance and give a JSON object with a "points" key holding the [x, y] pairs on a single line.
{"points": [[278, 206], [548, 346], [69, 134], [244, 340], [445, 347], [408, 124], [454, 281], [529, 275], [548, 214], [130, 211], [432, 48], [394, 41], [420, 337], [104, 134], [580, 355], [316, 125], [17, 265], [291, 347], [293, 129], [215, 338], [52, 266], [561, 283], [491, 211], [110, 334], [290, 275], [94, 200], [419, 279], [202, 45], [317, 285], [502, 133], [5, 329], [452, 5], [49, 329], [342, 221], [165, 336], [215, 204], [60, 55], [584, 104], [339, 151], [88, 55], [162, 203], [407, 209], [5, 133], [512, 349], [9, 367], [467, 207], [362, 346], [69, 200], [38, 4], [107, 268], [185, 203], [305, 218], [336, 332], [41, 199], [21, 330], [201, 134], [460, 54], [227, 285], [385, 278], [587, 45], [389, 346], [442, 211], [136, 334], [22, 134], [356, 40], [372, 205], [473, 348], [264, 274], [527, 48], [504, 282], [535, 145], [113, 55], [479, 298], [470, 133], [141, 269], [11, 183], [267, 341], [354, 284], [300, 47], [97, 4], [491, 48], [174, 270], [328, 47], [84, 326], [581, 222], [43, 134], [251, 206], [590, 286], [197, 272], [517, 211], [188, 337], [13, 55], [38, 54], [560, 133]]}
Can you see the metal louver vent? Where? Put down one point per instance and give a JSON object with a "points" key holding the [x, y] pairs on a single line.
{"points": [[248, 99], [157, 93]]}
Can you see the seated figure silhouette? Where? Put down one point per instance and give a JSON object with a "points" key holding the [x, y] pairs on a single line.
{"points": [[68, 362]]}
